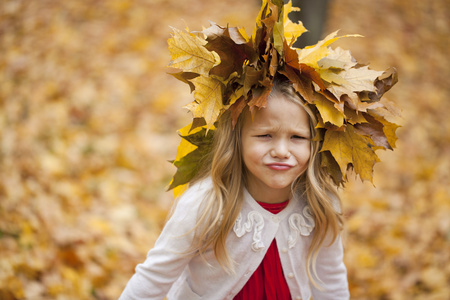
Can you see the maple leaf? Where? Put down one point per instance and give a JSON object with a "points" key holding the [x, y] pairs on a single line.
{"points": [[328, 111], [357, 79], [251, 78], [232, 54], [291, 30], [185, 77], [292, 60], [274, 24], [260, 95], [236, 109], [353, 117], [189, 54], [278, 36], [350, 148], [311, 74], [300, 84], [185, 146], [288, 8], [353, 101], [208, 99], [374, 130], [312, 54], [383, 84], [189, 164], [272, 33], [263, 12], [290, 56], [236, 95], [389, 129], [238, 35], [387, 109], [349, 82], [273, 62], [337, 59], [329, 163], [200, 136]]}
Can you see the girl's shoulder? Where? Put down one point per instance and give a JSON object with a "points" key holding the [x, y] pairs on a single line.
{"points": [[195, 194], [187, 206], [200, 186]]}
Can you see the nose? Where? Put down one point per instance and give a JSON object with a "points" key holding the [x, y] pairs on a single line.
{"points": [[280, 149]]}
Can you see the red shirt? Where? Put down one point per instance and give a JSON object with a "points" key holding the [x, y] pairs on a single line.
{"points": [[267, 282]]}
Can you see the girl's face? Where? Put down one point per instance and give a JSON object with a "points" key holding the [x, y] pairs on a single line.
{"points": [[275, 148]]}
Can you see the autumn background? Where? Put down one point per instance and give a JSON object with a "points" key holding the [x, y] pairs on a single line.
{"points": [[88, 120]]}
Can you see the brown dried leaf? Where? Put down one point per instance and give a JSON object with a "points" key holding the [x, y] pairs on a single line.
{"points": [[350, 148], [302, 86]]}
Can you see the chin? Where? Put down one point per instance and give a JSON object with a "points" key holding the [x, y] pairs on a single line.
{"points": [[280, 186]]}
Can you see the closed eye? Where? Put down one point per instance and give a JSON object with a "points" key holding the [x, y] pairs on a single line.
{"points": [[263, 136], [299, 137]]}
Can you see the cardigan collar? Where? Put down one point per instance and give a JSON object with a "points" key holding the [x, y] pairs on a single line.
{"points": [[300, 221]]}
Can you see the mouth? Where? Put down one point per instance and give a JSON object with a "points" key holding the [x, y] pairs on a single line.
{"points": [[279, 166]]}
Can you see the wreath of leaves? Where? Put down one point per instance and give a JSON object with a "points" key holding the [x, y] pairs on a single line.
{"points": [[228, 70]]}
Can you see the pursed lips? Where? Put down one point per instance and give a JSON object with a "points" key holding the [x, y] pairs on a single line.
{"points": [[279, 166]]}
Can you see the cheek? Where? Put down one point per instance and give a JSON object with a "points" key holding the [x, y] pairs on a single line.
{"points": [[303, 153], [252, 154]]}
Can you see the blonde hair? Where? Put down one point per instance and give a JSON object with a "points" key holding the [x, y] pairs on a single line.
{"points": [[227, 171]]}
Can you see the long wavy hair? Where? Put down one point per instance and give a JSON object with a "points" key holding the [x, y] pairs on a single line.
{"points": [[223, 203]]}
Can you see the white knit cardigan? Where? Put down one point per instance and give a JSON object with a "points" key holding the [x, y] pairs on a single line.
{"points": [[167, 271]]}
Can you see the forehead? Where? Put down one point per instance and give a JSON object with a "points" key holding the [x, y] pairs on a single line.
{"points": [[281, 112]]}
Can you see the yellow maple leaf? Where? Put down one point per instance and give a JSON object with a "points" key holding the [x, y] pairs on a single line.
{"points": [[331, 76], [389, 130], [348, 147], [359, 79], [291, 30], [288, 8], [349, 81], [208, 99], [337, 59], [263, 12], [328, 111], [353, 117], [185, 147], [312, 54], [189, 54]]}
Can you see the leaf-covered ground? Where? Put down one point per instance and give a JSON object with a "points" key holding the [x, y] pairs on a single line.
{"points": [[87, 124]]}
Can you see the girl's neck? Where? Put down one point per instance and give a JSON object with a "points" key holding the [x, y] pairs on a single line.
{"points": [[270, 196]]}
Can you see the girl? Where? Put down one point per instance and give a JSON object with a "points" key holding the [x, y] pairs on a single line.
{"points": [[261, 222], [262, 218]]}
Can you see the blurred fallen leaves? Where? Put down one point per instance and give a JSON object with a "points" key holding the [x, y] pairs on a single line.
{"points": [[398, 234], [88, 119]]}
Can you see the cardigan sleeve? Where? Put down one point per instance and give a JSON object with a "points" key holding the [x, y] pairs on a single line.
{"points": [[332, 273], [166, 261]]}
